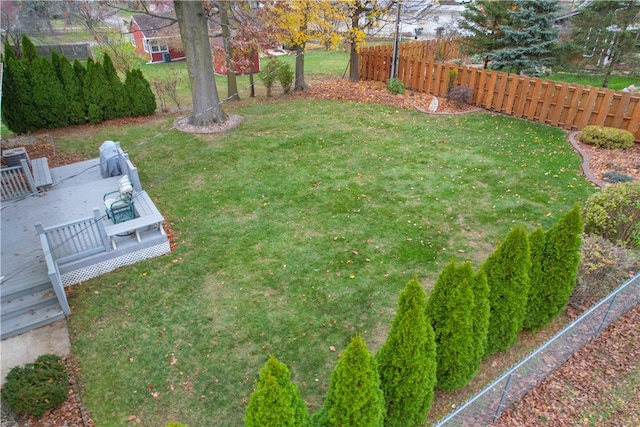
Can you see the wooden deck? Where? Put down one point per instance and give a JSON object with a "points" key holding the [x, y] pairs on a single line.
{"points": [[77, 189]]}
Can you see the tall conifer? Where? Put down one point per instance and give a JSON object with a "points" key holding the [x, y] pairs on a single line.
{"points": [[507, 271], [481, 314], [48, 94], [407, 361], [355, 398]]}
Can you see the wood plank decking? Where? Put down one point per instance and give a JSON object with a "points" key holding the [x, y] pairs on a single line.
{"points": [[76, 190]]}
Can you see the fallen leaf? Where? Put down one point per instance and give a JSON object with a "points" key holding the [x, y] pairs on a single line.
{"points": [[332, 348]]}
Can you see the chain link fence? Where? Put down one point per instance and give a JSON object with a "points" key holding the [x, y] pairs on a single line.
{"points": [[486, 406]]}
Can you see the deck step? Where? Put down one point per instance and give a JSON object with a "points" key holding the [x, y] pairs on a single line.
{"points": [[28, 320], [8, 293], [36, 298]]}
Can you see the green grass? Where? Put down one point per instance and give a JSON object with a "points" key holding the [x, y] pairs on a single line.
{"points": [[616, 81], [294, 231]]}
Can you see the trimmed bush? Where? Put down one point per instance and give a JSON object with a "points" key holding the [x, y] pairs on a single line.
{"points": [[614, 213], [507, 271], [36, 387], [142, 101], [276, 401], [558, 257], [407, 361], [286, 76], [481, 312], [460, 94], [396, 87], [269, 74], [606, 137], [355, 398]]}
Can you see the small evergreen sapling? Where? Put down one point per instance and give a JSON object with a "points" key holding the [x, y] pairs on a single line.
{"points": [[355, 398], [407, 361], [507, 271], [276, 401]]}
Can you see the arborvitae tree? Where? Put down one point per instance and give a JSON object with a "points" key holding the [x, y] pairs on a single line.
{"points": [[8, 53], [74, 100], [276, 401], [48, 94], [560, 262], [142, 101], [507, 271], [528, 38], [355, 398], [18, 110], [407, 361], [535, 302], [482, 20], [94, 91], [117, 106], [80, 70], [29, 51], [437, 303], [481, 314], [456, 345]]}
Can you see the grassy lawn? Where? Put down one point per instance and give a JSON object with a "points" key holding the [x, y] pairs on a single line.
{"points": [[616, 81], [295, 231]]}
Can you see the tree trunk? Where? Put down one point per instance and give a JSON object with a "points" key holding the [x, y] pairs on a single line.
{"points": [[300, 84], [354, 70], [232, 84], [194, 32]]}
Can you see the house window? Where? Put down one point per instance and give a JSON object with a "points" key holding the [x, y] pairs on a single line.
{"points": [[157, 46]]}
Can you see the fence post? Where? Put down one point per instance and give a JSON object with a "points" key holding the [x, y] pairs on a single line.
{"points": [[503, 397], [101, 231], [606, 316]]}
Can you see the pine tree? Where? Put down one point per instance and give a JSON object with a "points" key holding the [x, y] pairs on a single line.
{"points": [[407, 361], [94, 89], [559, 266], [507, 271], [142, 101], [528, 37], [81, 71], [481, 314], [456, 344], [604, 34], [354, 398], [276, 401], [29, 51], [48, 94], [19, 112], [8, 53], [535, 302], [118, 104], [483, 20], [74, 100]]}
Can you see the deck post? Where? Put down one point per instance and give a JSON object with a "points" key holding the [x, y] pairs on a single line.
{"points": [[103, 233], [27, 173]]}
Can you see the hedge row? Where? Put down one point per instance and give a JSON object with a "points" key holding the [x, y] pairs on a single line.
{"points": [[439, 343], [38, 93]]}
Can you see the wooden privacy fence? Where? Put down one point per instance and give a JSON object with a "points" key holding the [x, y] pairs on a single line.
{"points": [[569, 106]]}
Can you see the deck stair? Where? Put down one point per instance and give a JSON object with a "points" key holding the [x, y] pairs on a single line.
{"points": [[27, 308]]}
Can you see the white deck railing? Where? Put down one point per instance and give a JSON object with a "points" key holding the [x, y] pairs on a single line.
{"points": [[76, 240], [17, 181]]}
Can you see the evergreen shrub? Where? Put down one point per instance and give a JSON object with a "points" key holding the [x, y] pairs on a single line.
{"points": [[276, 401], [604, 266], [285, 77], [269, 74], [614, 213], [606, 137], [355, 398], [407, 361], [395, 86], [36, 387]]}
